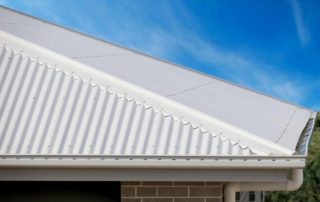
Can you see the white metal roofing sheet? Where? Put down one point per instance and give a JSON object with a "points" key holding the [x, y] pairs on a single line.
{"points": [[45, 110], [265, 117]]}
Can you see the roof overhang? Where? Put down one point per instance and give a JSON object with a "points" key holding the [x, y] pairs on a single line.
{"points": [[146, 174]]}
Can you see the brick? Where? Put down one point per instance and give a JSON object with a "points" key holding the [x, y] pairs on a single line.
{"points": [[135, 183], [213, 183], [157, 183], [173, 191], [130, 200], [213, 200], [157, 200], [128, 191], [146, 191], [189, 183], [189, 200], [205, 191]]}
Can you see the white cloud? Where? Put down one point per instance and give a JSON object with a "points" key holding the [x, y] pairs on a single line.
{"points": [[302, 32], [279, 86], [261, 77]]}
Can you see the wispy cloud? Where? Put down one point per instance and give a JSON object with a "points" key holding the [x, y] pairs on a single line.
{"points": [[177, 38], [302, 32], [262, 77]]}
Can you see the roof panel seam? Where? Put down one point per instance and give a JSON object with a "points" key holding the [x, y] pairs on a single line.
{"points": [[77, 57], [20, 23], [290, 118], [192, 88]]}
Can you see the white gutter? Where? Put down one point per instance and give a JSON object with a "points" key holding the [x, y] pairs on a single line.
{"points": [[144, 161], [293, 184], [149, 163]]}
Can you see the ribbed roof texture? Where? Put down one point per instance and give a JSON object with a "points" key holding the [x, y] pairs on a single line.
{"points": [[45, 110]]}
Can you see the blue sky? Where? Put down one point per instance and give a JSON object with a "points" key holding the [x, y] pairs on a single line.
{"points": [[268, 45]]}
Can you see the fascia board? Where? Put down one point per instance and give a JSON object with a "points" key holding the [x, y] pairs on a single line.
{"points": [[129, 174], [258, 144]]}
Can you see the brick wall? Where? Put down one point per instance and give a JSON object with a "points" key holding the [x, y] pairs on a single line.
{"points": [[171, 192]]}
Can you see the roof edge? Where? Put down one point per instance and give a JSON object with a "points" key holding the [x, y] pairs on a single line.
{"points": [[184, 162]]}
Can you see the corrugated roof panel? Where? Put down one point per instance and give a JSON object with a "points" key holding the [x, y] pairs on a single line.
{"points": [[45, 110]]}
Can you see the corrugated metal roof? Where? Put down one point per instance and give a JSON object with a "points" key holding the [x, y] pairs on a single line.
{"points": [[277, 122], [138, 106], [46, 110]]}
